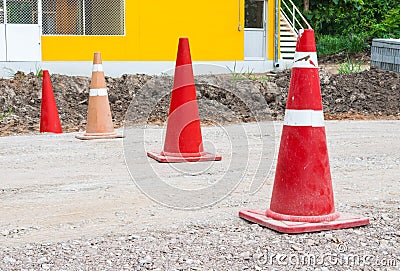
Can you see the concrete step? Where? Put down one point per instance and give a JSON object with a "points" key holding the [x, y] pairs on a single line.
{"points": [[288, 33], [288, 43], [288, 38], [287, 55], [285, 28], [288, 49]]}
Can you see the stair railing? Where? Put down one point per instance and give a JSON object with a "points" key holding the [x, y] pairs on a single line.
{"points": [[294, 12]]}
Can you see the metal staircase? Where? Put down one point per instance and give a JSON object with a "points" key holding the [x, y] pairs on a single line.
{"points": [[291, 20]]}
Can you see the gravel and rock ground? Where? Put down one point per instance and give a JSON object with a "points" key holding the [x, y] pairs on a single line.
{"points": [[72, 205]]}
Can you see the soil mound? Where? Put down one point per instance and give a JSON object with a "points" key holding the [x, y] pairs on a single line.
{"points": [[222, 98]]}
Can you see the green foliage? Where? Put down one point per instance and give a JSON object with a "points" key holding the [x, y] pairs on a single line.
{"points": [[370, 19], [10, 110], [328, 45], [390, 25], [350, 67], [9, 113], [38, 71]]}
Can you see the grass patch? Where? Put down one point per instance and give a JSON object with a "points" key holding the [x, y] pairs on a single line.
{"points": [[246, 75], [350, 67], [9, 113]]}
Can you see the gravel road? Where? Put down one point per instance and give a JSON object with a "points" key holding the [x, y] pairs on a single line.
{"points": [[67, 204]]}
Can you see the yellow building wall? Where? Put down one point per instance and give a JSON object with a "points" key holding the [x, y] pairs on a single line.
{"points": [[153, 29]]}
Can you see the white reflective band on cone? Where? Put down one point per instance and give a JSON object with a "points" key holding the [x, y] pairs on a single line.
{"points": [[98, 92], [97, 67], [313, 118], [305, 60]]}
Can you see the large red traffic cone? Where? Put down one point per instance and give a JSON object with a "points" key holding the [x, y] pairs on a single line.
{"points": [[183, 140], [99, 123], [49, 120], [302, 196]]}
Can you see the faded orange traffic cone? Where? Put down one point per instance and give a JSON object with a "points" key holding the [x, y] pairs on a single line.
{"points": [[99, 122]]}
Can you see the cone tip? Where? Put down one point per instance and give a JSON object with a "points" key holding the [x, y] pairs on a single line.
{"points": [[306, 41], [183, 56], [97, 58]]}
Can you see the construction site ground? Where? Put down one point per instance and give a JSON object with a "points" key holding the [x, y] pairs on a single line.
{"points": [[67, 204]]}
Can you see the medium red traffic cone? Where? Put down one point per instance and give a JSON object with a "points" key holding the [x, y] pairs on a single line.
{"points": [[302, 196], [99, 123], [49, 120], [183, 140]]}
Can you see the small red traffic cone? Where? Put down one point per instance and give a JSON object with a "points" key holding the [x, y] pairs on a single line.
{"points": [[99, 123], [183, 140], [302, 196], [49, 120]]}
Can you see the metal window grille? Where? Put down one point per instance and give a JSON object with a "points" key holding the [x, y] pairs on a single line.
{"points": [[83, 17], [20, 12], [1, 12]]}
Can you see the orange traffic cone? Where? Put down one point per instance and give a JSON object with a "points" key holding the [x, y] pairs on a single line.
{"points": [[99, 122], [302, 196], [49, 120], [183, 140]]}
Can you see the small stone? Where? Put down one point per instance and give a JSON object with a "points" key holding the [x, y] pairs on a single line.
{"points": [[5, 232], [310, 242], [296, 248], [383, 243], [255, 227], [10, 260], [132, 237], [146, 260], [386, 217], [328, 236], [42, 260], [245, 255]]}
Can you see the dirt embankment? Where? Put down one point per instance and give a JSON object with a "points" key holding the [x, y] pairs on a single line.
{"points": [[369, 94]]}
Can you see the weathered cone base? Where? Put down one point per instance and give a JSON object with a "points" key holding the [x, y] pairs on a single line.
{"points": [[180, 159], [99, 136], [344, 221]]}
